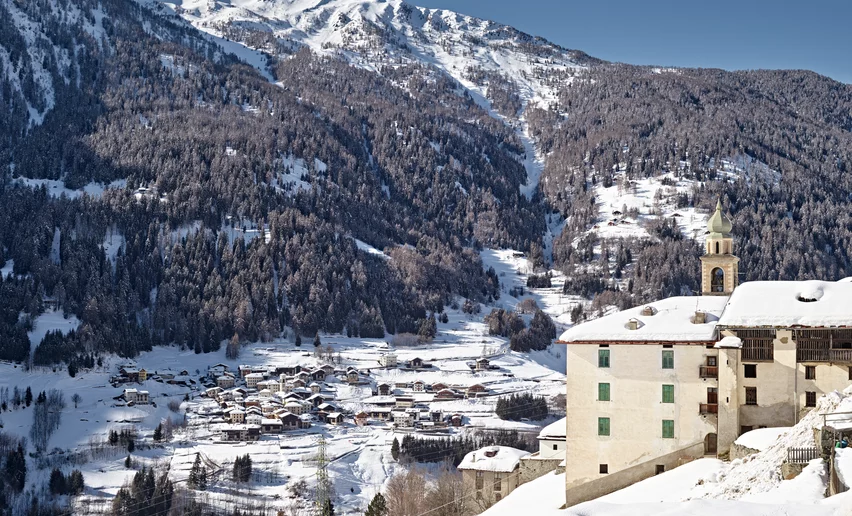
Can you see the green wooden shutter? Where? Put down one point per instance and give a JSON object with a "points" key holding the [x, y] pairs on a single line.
{"points": [[603, 426], [603, 358], [668, 359], [603, 392], [668, 429], [668, 393]]}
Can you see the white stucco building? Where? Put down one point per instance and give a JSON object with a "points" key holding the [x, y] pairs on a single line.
{"points": [[653, 386]]}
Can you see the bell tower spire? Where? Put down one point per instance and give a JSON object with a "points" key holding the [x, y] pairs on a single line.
{"points": [[719, 266]]}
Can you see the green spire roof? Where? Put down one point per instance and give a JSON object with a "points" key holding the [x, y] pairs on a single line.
{"points": [[719, 225]]}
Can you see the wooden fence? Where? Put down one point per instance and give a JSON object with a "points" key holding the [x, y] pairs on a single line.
{"points": [[802, 455]]}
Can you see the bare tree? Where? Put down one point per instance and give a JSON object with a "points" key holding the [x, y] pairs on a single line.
{"points": [[405, 493]]}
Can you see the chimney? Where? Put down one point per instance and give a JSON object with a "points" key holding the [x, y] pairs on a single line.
{"points": [[633, 324], [647, 311], [700, 317]]}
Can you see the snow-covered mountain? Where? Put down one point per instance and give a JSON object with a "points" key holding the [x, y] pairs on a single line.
{"points": [[375, 33]]}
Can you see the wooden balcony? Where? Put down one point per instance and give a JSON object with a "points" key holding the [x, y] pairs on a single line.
{"points": [[706, 371], [757, 350], [840, 356], [708, 408]]}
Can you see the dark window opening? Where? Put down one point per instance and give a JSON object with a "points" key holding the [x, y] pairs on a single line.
{"points": [[603, 469], [810, 372], [751, 395], [750, 370], [660, 468], [810, 399]]}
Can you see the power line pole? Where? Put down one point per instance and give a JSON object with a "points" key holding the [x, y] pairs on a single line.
{"points": [[322, 494]]}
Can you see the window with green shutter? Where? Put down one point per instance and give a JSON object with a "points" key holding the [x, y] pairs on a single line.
{"points": [[668, 359], [603, 392], [603, 358], [668, 393], [668, 429], [603, 426]]}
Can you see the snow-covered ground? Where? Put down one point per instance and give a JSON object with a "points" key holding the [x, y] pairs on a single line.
{"points": [[761, 438], [57, 188]]}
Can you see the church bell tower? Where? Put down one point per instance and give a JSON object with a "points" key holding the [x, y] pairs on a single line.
{"points": [[719, 266]]}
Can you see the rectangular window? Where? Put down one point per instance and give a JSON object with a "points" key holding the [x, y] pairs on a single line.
{"points": [[660, 468], [603, 358], [750, 370], [668, 393], [810, 399], [498, 497], [603, 392], [603, 426], [810, 372], [668, 359], [668, 429], [711, 361], [498, 482], [603, 469], [751, 395], [555, 447]]}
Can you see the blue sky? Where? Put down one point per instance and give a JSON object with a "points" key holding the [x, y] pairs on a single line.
{"points": [[734, 35]]}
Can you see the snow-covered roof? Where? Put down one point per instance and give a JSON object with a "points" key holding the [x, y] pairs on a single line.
{"points": [[554, 430], [729, 342], [790, 303], [502, 459], [671, 322]]}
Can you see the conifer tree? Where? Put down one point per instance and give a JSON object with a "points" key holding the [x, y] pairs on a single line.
{"points": [[158, 433], [378, 506], [395, 449]]}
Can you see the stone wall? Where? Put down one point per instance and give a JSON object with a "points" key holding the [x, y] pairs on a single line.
{"points": [[626, 477], [739, 451], [533, 467]]}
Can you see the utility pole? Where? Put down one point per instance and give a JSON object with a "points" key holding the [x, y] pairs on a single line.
{"points": [[322, 494]]}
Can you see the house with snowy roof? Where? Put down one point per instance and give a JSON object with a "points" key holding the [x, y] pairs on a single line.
{"points": [[653, 386], [550, 454], [491, 473]]}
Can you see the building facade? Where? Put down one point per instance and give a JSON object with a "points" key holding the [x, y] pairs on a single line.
{"points": [[651, 387]]}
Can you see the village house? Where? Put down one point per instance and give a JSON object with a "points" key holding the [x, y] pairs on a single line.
{"points": [[136, 397], [238, 416], [482, 364], [388, 360], [383, 389], [491, 474], [352, 376], [456, 420], [475, 390], [418, 386], [550, 454], [334, 418], [294, 407], [305, 421], [315, 387], [271, 426], [252, 380], [735, 358], [241, 433], [445, 395], [269, 385], [404, 401], [290, 421], [225, 381], [361, 418], [415, 363], [402, 419]]}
